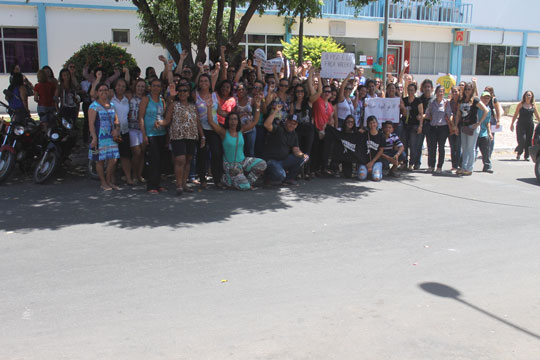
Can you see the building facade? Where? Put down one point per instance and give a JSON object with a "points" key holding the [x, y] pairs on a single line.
{"points": [[500, 45]]}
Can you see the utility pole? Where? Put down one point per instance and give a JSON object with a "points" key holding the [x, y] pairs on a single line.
{"points": [[385, 52]]}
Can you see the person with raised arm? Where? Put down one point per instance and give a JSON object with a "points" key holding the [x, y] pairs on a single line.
{"points": [[239, 171]]}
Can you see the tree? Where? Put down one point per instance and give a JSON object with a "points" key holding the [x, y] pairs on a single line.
{"points": [[196, 20], [313, 48], [306, 10], [191, 22]]}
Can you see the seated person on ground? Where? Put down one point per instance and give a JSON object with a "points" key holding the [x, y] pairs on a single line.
{"points": [[281, 152], [393, 149]]}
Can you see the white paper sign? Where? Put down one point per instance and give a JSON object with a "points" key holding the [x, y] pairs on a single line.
{"points": [[495, 128], [384, 109], [336, 65], [259, 54], [268, 66]]}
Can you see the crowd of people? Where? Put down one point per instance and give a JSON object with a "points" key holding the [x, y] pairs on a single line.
{"points": [[243, 128]]}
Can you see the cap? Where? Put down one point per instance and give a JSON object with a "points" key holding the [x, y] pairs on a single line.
{"points": [[486, 93], [292, 117]]}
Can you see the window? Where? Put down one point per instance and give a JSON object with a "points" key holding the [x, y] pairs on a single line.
{"points": [[429, 58], [19, 46], [497, 60], [467, 60], [120, 36], [532, 51], [269, 43]]}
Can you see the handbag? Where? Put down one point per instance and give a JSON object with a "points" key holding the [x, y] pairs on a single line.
{"points": [[467, 130]]}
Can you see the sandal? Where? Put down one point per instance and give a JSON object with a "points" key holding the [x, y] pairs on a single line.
{"points": [[162, 189], [179, 191], [106, 188], [114, 187], [153, 192]]}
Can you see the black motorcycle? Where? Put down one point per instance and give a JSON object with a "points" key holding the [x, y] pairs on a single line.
{"points": [[61, 139], [22, 142]]}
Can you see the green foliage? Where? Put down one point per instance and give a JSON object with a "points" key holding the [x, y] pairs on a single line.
{"points": [[313, 48], [106, 55], [166, 15], [310, 9]]}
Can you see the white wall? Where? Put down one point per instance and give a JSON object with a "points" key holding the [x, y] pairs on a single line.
{"points": [[420, 33], [505, 87], [520, 15], [68, 29], [530, 80]]}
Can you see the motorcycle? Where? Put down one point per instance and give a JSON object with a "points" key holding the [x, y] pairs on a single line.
{"points": [[61, 140], [22, 142]]}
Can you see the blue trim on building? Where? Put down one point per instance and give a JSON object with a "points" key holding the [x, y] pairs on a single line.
{"points": [[69, 5], [456, 57], [522, 59], [380, 44], [42, 35], [288, 25]]}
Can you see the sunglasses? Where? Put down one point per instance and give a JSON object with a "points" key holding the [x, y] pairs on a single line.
{"points": [[327, 91], [257, 88], [283, 85], [299, 91], [183, 91]]}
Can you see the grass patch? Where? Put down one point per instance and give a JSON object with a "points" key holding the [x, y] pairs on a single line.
{"points": [[512, 109]]}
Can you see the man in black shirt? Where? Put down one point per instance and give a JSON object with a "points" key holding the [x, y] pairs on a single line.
{"points": [[282, 154]]}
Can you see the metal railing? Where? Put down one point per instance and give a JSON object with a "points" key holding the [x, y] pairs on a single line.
{"points": [[445, 11]]}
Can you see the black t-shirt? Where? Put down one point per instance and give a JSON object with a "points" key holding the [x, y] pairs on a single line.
{"points": [[412, 108], [373, 143], [469, 112], [349, 147], [279, 143], [425, 103]]}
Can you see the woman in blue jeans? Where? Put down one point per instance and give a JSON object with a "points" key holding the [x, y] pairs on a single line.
{"points": [[467, 116], [375, 148]]}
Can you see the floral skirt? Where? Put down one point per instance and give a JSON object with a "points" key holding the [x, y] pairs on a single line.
{"points": [[241, 175]]}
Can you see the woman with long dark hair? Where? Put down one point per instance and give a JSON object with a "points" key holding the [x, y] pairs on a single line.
{"points": [[204, 96], [151, 111], [240, 172], [525, 126], [67, 100], [185, 129], [467, 116], [302, 107], [18, 97]]}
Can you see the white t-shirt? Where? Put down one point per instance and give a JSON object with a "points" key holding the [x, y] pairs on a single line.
{"points": [[122, 111]]}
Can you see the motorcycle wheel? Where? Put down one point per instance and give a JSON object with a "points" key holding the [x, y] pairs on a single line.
{"points": [[46, 167], [7, 161]]}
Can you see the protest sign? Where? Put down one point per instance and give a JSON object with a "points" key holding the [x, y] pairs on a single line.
{"points": [[268, 66], [336, 65], [384, 109]]}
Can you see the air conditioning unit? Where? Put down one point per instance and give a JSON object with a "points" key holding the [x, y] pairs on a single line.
{"points": [[337, 28]]}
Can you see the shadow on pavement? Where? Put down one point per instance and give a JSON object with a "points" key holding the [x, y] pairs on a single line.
{"points": [[74, 199], [446, 291], [531, 181]]}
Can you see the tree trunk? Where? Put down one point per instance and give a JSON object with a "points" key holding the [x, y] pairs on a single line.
{"points": [[244, 21], [182, 7], [232, 17], [219, 23], [201, 44], [301, 40]]}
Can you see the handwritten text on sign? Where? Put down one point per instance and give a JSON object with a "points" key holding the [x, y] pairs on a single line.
{"points": [[384, 109], [336, 65]]}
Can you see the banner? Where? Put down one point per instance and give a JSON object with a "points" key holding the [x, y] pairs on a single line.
{"points": [[336, 65], [384, 109], [268, 66]]}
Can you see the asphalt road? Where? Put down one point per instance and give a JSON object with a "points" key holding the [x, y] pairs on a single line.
{"points": [[424, 267]]}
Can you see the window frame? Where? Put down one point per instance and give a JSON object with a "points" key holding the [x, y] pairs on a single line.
{"points": [[4, 70], [437, 45], [507, 50], [121, 43], [246, 44]]}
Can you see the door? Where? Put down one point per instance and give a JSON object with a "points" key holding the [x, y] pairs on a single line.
{"points": [[394, 59]]}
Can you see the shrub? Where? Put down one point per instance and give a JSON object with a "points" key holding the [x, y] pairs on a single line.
{"points": [[106, 55], [313, 48]]}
